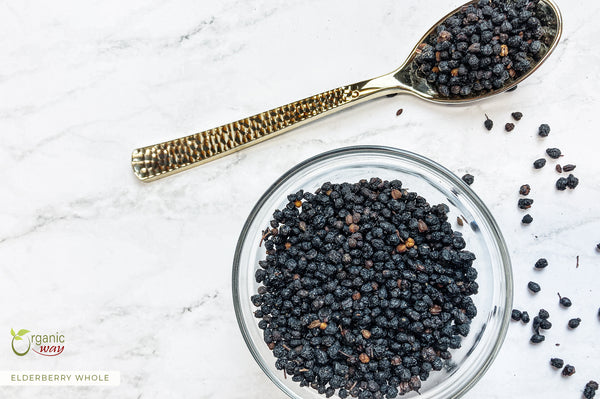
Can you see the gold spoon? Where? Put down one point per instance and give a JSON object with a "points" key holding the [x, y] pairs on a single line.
{"points": [[164, 159]]}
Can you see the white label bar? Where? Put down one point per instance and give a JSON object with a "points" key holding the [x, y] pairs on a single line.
{"points": [[56, 378]]}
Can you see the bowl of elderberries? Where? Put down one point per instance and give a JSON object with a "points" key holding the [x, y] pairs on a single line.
{"points": [[372, 272]]}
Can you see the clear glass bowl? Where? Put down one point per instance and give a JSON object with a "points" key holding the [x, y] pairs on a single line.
{"points": [[438, 185]]}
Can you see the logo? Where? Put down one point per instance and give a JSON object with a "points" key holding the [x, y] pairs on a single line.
{"points": [[42, 344]]}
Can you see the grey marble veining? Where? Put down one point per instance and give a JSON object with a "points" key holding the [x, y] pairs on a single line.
{"points": [[137, 276]]}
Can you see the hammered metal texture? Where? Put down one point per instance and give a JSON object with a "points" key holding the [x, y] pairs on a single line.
{"points": [[172, 156]]}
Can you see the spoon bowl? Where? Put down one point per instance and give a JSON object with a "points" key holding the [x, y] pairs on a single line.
{"points": [[173, 156]]}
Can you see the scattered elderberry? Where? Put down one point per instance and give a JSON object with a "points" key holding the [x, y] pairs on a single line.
{"points": [[517, 116], [527, 219], [525, 317], [482, 48], [553, 153], [574, 323], [525, 203], [541, 263], [545, 324], [534, 287], [516, 315], [572, 181], [525, 189], [568, 370], [561, 184], [544, 130], [557, 363], [543, 314], [564, 301], [489, 124], [569, 168], [589, 392], [539, 163], [469, 179], [509, 127], [365, 289], [537, 338]]}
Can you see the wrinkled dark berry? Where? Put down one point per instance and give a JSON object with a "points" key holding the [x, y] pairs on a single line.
{"points": [[543, 314], [489, 124], [561, 184], [569, 168], [544, 130], [516, 315], [574, 323], [525, 189], [541, 263], [525, 203], [568, 370], [469, 179], [533, 287], [537, 338], [539, 163], [572, 182], [559, 168], [545, 324], [509, 127], [557, 363], [527, 219], [525, 317], [553, 153], [517, 116], [589, 392], [564, 301]]}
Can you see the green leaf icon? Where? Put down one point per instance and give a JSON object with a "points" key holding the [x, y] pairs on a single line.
{"points": [[22, 332], [17, 338], [12, 332]]}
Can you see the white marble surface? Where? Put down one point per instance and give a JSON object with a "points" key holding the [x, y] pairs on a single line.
{"points": [[137, 276]]}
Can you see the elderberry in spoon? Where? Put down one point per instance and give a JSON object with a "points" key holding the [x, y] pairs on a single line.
{"points": [[482, 48]]}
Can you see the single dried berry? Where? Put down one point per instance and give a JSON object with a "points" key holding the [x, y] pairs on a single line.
{"points": [[516, 315], [489, 124], [569, 168], [517, 116], [568, 370], [558, 168], [509, 127], [469, 179], [572, 182], [553, 153], [543, 314], [537, 338], [527, 219], [564, 301], [557, 363], [525, 317], [541, 263], [561, 184], [525, 203], [525, 189], [589, 392], [539, 163], [544, 130], [534, 287], [574, 323], [545, 324]]}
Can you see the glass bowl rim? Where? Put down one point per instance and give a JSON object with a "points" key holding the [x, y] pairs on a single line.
{"points": [[421, 162]]}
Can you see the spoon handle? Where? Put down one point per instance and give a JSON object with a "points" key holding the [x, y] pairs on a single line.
{"points": [[164, 159]]}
